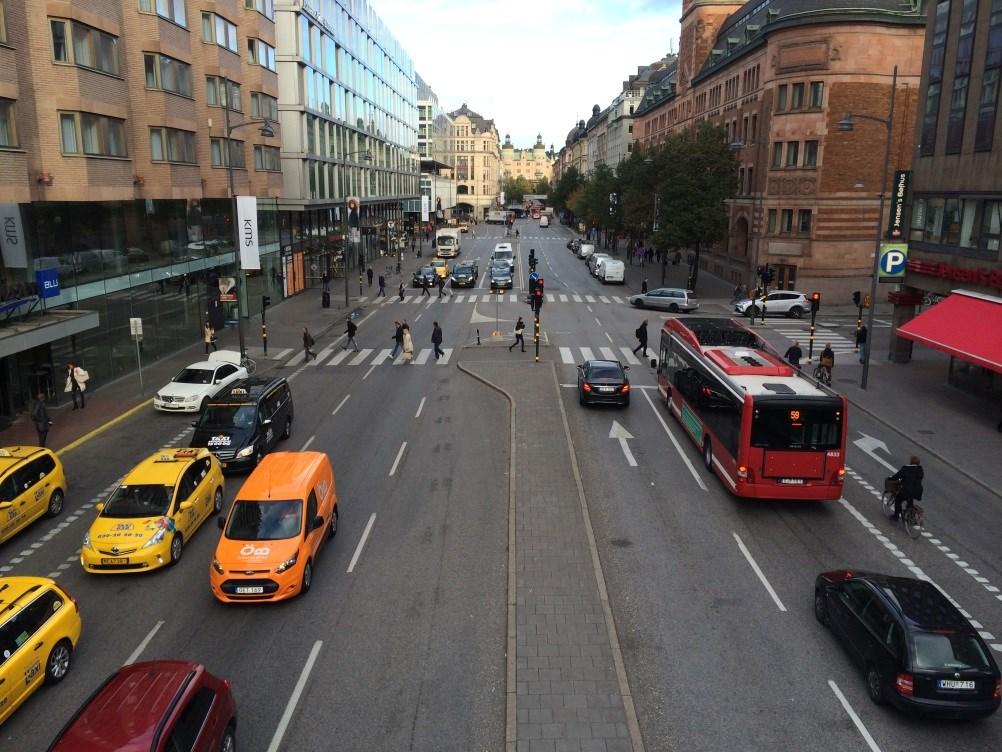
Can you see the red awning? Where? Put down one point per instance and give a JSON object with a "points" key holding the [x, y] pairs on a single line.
{"points": [[966, 324]]}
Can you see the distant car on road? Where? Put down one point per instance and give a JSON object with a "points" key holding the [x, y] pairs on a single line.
{"points": [[544, 222], [593, 261], [424, 277], [915, 648], [503, 252], [194, 386], [611, 271], [465, 274], [500, 276], [585, 250], [671, 299], [441, 268], [574, 245], [777, 303], [603, 382]]}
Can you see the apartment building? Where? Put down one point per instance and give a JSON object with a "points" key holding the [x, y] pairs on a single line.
{"points": [[533, 164], [474, 153]]}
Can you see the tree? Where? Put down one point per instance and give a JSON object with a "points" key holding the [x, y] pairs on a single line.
{"points": [[597, 203], [569, 181], [542, 188], [516, 188], [639, 177]]}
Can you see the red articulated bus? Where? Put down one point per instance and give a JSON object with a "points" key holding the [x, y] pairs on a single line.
{"points": [[766, 429]]}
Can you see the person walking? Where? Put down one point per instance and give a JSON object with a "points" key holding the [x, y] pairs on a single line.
{"points": [[441, 287], [40, 417], [794, 354], [382, 287], [643, 287], [519, 335], [400, 292], [307, 344], [209, 337], [76, 383], [368, 273], [641, 335], [424, 286], [398, 339], [408, 343], [436, 339], [350, 330], [861, 342]]}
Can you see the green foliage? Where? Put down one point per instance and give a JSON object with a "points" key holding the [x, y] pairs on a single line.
{"points": [[565, 187], [542, 187], [516, 188]]}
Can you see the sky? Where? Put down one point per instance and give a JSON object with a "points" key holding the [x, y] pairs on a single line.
{"points": [[538, 70]]}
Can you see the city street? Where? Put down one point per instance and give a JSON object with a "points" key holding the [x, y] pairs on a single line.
{"points": [[403, 642]]}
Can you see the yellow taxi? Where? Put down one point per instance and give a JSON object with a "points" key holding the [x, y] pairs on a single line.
{"points": [[39, 630], [145, 523], [441, 268], [32, 484]]}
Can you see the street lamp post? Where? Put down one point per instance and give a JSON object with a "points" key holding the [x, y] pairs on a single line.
{"points": [[267, 132], [846, 124], [367, 157]]}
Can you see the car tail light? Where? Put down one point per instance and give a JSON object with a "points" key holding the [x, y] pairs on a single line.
{"points": [[75, 604], [626, 388], [998, 689], [904, 684], [586, 387]]}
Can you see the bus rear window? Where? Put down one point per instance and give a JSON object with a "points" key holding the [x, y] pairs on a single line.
{"points": [[796, 427]]}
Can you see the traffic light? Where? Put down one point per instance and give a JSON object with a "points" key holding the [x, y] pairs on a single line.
{"points": [[532, 255], [856, 298], [815, 302], [770, 273], [760, 270], [265, 301], [537, 298]]}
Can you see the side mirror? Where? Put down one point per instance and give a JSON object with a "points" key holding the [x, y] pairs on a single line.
{"points": [[6, 504], [184, 506], [221, 522], [318, 522], [99, 506]]}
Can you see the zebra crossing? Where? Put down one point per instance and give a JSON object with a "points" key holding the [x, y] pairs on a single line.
{"points": [[454, 298], [622, 354], [335, 356], [822, 336]]}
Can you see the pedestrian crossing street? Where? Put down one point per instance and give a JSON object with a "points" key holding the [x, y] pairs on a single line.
{"points": [[481, 297]]}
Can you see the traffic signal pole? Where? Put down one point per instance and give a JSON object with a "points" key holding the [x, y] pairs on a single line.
{"points": [[537, 334]]}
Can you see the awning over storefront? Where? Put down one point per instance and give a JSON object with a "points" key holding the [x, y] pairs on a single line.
{"points": [[44, 327], [966, 325]]}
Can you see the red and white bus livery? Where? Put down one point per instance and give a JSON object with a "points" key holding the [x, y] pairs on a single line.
{"points": [[766, 429]]}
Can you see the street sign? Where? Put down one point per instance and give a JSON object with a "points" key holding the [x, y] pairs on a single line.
{"points": [[48, 282], [896, 221], [893, 262], [136, 327]]}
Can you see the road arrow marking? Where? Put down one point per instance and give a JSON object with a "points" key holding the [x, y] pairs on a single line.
{"points": [[870, 445], [618, 432]]}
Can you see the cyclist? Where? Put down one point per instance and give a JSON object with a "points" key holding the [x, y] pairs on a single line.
{"points": [[827, 361], [910, 489]]}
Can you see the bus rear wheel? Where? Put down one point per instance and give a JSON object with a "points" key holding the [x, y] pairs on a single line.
{"points": [[708, 454]]}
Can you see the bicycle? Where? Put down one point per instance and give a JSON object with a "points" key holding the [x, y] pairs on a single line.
{"points": [[823, 373], [249, 364], [912, 516]]}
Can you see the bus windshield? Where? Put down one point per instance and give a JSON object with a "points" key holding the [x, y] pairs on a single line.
{"points": [[794, 426]]}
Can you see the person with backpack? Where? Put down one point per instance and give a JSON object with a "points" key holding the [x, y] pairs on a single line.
{"points": [[76, 383], [307, 344], [350, 330], [641, 335]]}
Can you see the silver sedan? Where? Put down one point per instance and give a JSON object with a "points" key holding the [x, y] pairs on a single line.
{"points": [[672, 299]]}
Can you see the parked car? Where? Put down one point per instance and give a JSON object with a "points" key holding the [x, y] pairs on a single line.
{"points": [[612, 270], [192, 387], [574, 245], [777, 303], [594, 260], [586, 250], [915, 648], [603, 381], [672, 299]]}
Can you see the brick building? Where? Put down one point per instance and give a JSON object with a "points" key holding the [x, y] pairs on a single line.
{"points": [[778, 75]]}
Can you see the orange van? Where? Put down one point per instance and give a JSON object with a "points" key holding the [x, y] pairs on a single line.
{"points": [[283, 514]]}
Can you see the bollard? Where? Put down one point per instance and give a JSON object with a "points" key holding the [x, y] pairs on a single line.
{"points": [[478, 336]]}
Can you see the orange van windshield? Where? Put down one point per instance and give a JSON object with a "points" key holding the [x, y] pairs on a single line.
{"points": [[265, 520]]}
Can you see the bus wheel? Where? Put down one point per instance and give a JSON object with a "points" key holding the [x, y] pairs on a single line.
{"points": [[708, 454], [668, 399]]}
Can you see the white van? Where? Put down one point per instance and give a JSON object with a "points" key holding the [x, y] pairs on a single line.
{"points": [[586, 250], [503, 252], [612, 270], [544, 221]]}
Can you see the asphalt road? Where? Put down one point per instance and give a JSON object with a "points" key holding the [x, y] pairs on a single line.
{"points": [[712, 596]]}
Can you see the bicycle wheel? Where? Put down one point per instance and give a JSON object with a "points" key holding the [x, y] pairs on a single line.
{"points": [[250, 365], [913, 522], [887, 502]]}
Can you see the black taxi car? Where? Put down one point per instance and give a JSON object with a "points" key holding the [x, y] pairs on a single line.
{"points": [[242, 424]]}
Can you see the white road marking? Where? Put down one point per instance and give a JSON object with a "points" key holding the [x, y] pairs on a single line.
{"points": [[607, 336], [630, 357], [566, 355], [308, 442], [617, 298], [142, 646], [678, 447], [340, 404], [297, 691], [381, 356], [597, 321], [589, 299], [550, 298], [400, 453], [422, 357], [587, 354], [418, 317], [338, 358], [855, 718], [360, 358], [361, 543], [759, 572], [371, 369], [603, 298], [607, 353], [322, 356], [577, 298], [444, 360], [563, 298], [296, 359], [458, 298], [281, 354], [621, 435], [420, 407]]}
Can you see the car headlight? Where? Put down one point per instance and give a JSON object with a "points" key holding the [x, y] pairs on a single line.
{"points": [[86, 541], [157, 537], [290, 562], [192, 398], [218, 567], [246, 451]]}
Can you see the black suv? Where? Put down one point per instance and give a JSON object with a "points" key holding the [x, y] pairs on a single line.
{"points": [[426, 276], [465, 275], [242, 424], [915, 648]]}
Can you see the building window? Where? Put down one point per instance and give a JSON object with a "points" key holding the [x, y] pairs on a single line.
{"points": [[985, 135], [929, 118], [993, 55], [8, 127], [220, 92], [172, 145], [263, 106], [260, 53], [265, 7], [955, 124], [754, 129], [792, 153], [781, 98], [3, 22], [217, 30], [92, 135], [167, 74], [76, 44], [917, 220], [219, 153], [172, 10], [965, 38], [817, 95], [991, 225], [771, 230], [930, 115], [810, 153], [933, 230], [777, 155], [786, 221], [804, 221], [797, 97], [267, 158]]}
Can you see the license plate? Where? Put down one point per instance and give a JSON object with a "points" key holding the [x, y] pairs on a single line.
{"points": [[114, 562], [792, 481], [954, 684], [250, 590], [606, 389]]}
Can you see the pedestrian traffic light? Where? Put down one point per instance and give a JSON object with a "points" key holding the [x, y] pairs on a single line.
{"points": [[265, 301], [770, 273], [815, 302], [856, 298], [537, 298]]}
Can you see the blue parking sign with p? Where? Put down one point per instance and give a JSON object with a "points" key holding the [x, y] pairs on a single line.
{"points": [[893, 262]]}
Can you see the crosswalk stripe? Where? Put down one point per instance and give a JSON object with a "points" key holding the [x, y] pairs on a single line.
{"points": [[617, 298], [589, 298], [566, 356], [630, 357], [338, 358], [577, 298], [603, 298], [444, 360], [587, 353], [296, 359], [321, 356], [608, 353], [563, 298], [381, 356], [459, 298], [550, 298], [422, 357], [407, 299], [486, 299], [360, 358], [418, 299], [363, 298], [280, 355]]}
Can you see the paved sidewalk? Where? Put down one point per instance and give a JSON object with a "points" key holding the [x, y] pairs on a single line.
{"points": [[567, 693]]}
